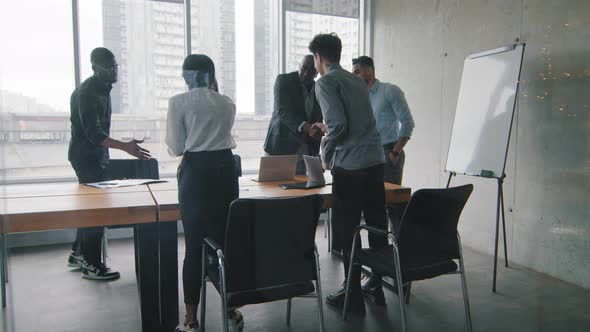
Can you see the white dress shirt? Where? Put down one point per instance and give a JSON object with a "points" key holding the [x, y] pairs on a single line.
{"points": [[200, 120]]}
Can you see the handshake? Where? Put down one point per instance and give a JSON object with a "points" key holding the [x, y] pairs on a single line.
{"points": [[315, 131]]}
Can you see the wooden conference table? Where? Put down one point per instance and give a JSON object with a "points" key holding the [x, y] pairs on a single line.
{"points": [[152, 210]]}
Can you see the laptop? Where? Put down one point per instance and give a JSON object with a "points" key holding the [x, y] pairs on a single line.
{"points": [[315, 175], [276, 168]]}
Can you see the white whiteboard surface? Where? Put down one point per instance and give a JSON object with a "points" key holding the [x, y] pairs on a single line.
{"points": [[481, 130]]}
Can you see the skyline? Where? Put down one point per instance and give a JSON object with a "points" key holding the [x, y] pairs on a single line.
{"points": [[48, 77]]}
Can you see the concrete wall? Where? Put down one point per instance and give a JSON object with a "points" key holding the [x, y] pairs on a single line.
{"points": [[420, 45]]}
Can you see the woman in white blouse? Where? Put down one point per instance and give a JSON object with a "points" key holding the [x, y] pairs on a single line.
{"points": [[199, 129]]}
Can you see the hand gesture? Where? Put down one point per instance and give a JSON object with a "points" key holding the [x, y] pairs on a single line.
{"points": [[132, 147]]}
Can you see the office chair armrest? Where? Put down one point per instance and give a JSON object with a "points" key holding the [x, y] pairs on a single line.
{"points": [[371, 229], [209, 242], [212, 244]]}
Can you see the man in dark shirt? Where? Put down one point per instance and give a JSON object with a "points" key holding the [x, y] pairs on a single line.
{"points": [[89, 153], [295, 111]]}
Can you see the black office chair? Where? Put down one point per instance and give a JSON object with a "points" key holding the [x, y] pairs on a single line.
{"points": [[269, 255], [425, 245], [118, 169]]}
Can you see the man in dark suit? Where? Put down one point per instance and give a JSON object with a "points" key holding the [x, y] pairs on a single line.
{"points": [[296, 109]]}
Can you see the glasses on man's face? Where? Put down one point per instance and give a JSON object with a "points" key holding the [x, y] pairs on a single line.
{"points": [[113, 69]]}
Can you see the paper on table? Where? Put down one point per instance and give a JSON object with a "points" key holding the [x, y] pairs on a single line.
{"points": [[122, 183]]}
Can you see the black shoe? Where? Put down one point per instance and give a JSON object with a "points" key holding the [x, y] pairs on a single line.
{"points": [[98, 272], [373, 289], [75, 261], [356, 304]]}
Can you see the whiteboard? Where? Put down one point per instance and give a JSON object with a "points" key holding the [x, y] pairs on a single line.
{"points": [[485, 108]]}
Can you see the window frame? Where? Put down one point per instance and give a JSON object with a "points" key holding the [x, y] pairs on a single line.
{"points": [[365, 28], [365, 22]]}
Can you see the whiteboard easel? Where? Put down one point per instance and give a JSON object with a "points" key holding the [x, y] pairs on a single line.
{"points": [[483, 123]]}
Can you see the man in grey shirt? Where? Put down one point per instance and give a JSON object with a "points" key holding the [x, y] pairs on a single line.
{"points": [[395, 125], [352, 150]]}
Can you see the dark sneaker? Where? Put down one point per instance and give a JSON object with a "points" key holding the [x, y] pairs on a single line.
{"points": [[75, 261], [235, 321], [373, 290], [356, 304], [99, 272]]}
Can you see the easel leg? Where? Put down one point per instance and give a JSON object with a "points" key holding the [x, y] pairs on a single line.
{"points": [[498, 202], [503, 225], [499, 210], [449, 180]]}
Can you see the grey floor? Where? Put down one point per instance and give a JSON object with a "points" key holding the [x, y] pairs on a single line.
{"points": [[44, 295]]}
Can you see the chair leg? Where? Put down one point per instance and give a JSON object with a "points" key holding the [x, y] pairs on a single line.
{"points": [[223, 293], [203, 286], [318, 284], [407, 293], [349, 277], [326, 224], [289, 311], [399, 282], [464, 286]]}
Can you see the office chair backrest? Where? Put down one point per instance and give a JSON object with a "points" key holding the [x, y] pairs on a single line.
{"points": [[270, 242], [428, 230], [133, 169]]}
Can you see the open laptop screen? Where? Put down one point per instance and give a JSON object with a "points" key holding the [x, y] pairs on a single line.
{"points": [[275, 168]]}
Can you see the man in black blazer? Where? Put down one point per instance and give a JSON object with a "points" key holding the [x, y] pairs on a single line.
{"points": [[295, 111]]}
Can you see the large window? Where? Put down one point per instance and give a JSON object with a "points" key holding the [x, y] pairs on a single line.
{"points": [[306, 18], [301, 27], [148, 40], [148, 37], [36, 79]]}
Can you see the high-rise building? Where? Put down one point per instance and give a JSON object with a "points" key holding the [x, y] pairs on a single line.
{"points": [[115, 37], [227, 39], [302, 27], [148, 39], [300, 30], [213, 34]]}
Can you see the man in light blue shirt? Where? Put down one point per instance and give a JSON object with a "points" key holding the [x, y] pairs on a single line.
{"points": [[395, 125]]}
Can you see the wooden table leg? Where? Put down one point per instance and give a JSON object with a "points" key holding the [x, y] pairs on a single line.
{"points": [[168, 245], [147, 264]]}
